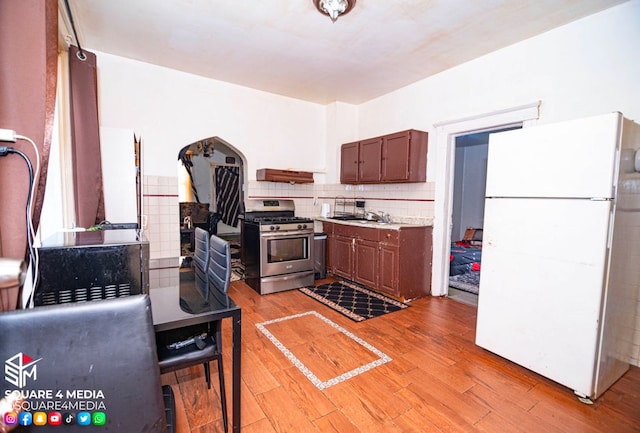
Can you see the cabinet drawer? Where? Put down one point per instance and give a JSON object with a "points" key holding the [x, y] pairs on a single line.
{"points": [[391, 237], [365, 233]]}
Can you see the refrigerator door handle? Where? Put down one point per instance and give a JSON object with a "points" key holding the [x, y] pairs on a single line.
{"points": [[610, 234]]}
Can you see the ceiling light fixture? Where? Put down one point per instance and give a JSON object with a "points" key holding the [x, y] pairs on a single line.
{"points": [[334, 8]]}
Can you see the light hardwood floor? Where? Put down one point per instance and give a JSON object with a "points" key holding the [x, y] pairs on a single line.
{"points": [[437, 381]]}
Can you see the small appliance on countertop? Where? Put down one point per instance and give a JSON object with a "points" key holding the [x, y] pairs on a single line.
{"points": [[85, 266]]}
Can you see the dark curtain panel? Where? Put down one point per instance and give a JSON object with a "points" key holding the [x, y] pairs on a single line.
{"points": [[228, 194], [85, 138], [28, 74]]}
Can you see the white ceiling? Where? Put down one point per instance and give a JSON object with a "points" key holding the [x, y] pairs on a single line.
{"points": [[287, 47]]}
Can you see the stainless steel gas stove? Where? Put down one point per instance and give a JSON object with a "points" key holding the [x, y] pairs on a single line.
{"points": [[277, 246]]}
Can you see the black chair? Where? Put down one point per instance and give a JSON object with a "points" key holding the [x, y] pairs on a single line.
{"points": [[202, 343], [219, 269], [97, 358], [201, 259], [201, 252]]}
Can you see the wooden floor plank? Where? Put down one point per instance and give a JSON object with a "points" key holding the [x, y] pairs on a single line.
{"points": [[432, 414], [413, 422], [508, 412], [335, 422], [261, 426], [501, 383], [283, 412], [367, 411], [202, 405], [309, 399]]}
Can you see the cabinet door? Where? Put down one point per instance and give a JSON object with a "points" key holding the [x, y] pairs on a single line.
{"points": [[366, 263], [389, 268], [349, 163], [395, 157], [370, 160], [342, 256], [404, 157]]}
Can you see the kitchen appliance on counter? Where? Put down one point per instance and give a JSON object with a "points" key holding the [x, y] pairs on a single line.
{"points": [[92, 265], [560, 278], [277, 246]]}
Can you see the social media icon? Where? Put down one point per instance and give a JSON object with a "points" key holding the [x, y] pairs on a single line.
{"points": [[25, 418], [55, 418], [84, 418], [40, 418], [98, 418], [68, 418], [11, 418]]}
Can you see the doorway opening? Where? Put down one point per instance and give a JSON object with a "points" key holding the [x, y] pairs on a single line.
{"points": [[211, 178], [442, 165], [467, 214]]}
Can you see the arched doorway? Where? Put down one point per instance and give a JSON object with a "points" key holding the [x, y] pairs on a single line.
{"points": [[211, 185]]}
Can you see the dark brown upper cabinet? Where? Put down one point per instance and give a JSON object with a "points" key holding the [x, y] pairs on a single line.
{"points": [[392, 158], [361, 161], [349, 155]]}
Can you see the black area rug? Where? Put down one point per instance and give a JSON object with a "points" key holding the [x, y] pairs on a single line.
{"points": [[357, 303]]}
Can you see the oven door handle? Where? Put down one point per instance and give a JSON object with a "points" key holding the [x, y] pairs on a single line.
{"points": [[287, 234]]}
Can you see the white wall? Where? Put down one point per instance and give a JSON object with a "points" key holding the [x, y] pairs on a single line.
{"points": [[170, 109]]}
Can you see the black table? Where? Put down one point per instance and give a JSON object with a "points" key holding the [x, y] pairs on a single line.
{"points": [[183, 305]]}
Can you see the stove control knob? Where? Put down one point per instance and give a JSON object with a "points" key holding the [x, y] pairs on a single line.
{"points": [[277, 228], [272, 228]]}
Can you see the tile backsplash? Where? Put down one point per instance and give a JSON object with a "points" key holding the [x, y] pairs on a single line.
{"points": [[407, 201], [161, 215], [404, 202]]}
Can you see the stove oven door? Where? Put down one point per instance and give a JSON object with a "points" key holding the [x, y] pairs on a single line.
{"points": [[286, 252]]}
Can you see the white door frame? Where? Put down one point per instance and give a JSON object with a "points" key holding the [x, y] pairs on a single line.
{"points": [[446, 133]]}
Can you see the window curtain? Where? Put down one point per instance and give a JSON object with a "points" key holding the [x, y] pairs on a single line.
{"points": [[28, 73], [228, 194], [85, 138]]}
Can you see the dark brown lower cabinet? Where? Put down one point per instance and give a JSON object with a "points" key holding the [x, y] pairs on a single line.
{"points": [[342, 256], [389, 262], [365, 262], [396, 262]]}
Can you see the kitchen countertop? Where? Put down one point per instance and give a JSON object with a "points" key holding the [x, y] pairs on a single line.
{"points": [[393, 225]]}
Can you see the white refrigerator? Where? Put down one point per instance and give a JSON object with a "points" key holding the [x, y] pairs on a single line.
{"points": [[561, 250]]}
